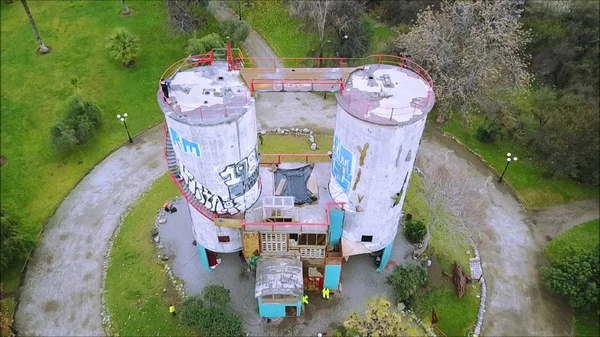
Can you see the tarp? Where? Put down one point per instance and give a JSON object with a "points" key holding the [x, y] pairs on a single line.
{"points": [[350, 248], [295, 183]]}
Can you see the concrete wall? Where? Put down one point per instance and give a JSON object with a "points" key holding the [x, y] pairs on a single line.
{"points": [[207, 234], [276, 310], [220, 163], [388, 154]]}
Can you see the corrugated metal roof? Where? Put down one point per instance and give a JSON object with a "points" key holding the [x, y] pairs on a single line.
{"points": [[278, 276]]}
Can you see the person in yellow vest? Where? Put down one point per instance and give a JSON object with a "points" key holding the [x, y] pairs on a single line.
{"points": [[305, 299], [172, 309], [325, 293]]}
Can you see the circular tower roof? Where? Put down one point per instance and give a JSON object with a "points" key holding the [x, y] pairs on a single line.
{"points": [[388, 94], [206, 95]]}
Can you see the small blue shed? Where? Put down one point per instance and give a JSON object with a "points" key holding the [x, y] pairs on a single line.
{"points": [[279, 286]]}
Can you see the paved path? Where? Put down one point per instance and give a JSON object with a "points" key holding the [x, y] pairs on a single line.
{"points": [[61, 295]]}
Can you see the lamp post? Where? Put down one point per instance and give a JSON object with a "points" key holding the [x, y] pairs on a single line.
{"points": [[122, 119], [508, 160]]}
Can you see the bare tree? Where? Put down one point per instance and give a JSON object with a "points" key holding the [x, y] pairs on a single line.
{"points": [[472, 49], [323, 14], [124, 9], [315, 13], [43, 48], [185, 15]]}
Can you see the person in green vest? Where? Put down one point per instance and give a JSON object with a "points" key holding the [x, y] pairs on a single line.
{"points": [[253, 260], [396, 198]]}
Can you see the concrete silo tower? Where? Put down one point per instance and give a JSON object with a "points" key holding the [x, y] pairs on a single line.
{"points": [[380, 119], [211, 148]]}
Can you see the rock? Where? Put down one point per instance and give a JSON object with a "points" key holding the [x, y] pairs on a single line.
{"points": [[305, 130], [468, 252], [401, 306], [313, 146], [263, 132], [310, 132], [311, 138], [161, 246], [428, 263], [164, 258], [154, 232], [329, 153], [164, 290], [157, 239], [162, 220]]}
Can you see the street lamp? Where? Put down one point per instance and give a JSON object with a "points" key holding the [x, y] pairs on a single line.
{"points": [[122, 119], [508, 160]]}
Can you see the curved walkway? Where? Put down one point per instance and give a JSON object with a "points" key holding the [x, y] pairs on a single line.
{"points": [[61, 293]]}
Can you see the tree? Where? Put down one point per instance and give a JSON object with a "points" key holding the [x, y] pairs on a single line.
{"points": [[43, 49], [14, 244], [405, 281], [404, 12], [577, 278], [319, 15], [187, 16], [355, 41], [205, 44], [379, 321], [123, 46], [62, 137], [472, 50], [236, 31], [124, 9]]}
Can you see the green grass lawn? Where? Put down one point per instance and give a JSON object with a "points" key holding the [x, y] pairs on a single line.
{"points": [[273, 143], [34, 89], [272, 20], [524, 176], [580, 239], [135, 276], [456, 317]]}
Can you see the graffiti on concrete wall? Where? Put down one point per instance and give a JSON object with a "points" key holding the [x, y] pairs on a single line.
{"points": [[242, 176], [187, 146], [341, 165], [242, 180]]}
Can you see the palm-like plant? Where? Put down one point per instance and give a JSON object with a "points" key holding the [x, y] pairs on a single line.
{"points": [[123, 46]]}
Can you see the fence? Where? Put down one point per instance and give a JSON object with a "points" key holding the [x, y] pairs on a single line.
{"points": [[323, 225]]}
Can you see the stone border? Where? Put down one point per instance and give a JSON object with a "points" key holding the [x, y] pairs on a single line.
{"points": [[293, 131], [160, 219], [106, 322]]}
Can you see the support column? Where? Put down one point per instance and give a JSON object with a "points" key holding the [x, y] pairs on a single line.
{"points": [[385, 257], [203, 257]]}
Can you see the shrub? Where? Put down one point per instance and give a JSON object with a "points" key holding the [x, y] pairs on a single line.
{"points": [[204, 44], [415, 231], [211, 316], [576, 278], [487, 132], [62, 137], [236, 30], [14, 243], [79, 125], [123, 46], [405, 281], [216, 295]]}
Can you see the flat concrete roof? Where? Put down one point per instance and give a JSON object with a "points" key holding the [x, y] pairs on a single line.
{"points": [[207, 95], [279, 276], [308, 213], [385, 94]]}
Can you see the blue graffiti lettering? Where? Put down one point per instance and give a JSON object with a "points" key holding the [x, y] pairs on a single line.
{"points": [[341, 165], [187, 146]]}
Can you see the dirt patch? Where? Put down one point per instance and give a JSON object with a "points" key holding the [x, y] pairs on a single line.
{"points": [[434, 273], [2, 161], [51, 306]]}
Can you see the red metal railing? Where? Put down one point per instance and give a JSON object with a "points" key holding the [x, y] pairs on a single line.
{"points": [[305, 156], [301, 224], [296, 82]]}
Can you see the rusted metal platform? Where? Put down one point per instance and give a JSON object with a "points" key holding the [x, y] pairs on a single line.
{"points": [[295, 79]]}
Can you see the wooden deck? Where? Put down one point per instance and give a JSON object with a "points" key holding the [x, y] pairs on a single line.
{"points": [[295, 79]]}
